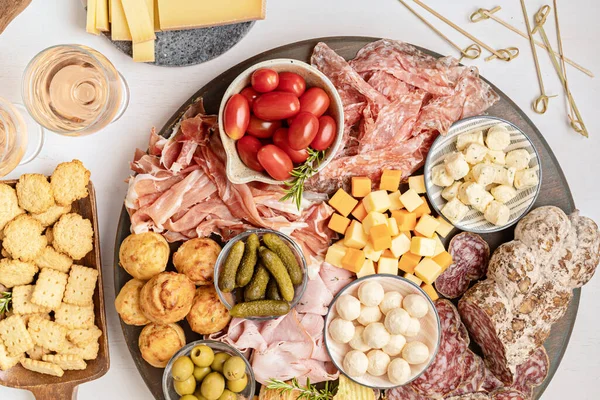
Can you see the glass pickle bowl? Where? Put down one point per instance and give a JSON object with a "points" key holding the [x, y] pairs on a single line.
{"points": [[230, 299]]}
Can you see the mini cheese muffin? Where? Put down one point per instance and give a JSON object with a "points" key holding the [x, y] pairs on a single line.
{"points": [[144, 255], [208, 314], [127, 303], [73, 235], [69, 182], [196, 258], [34, 193], [9, 205], [158, 343], [50, 216], [167, 297], [23, 238]]}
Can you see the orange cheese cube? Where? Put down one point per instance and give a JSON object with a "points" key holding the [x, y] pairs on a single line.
{"points": [[413, 279], [411, 200], [406, 220], [355, 236], [408, 262], [361, 186], [342, 202], [444, 228], [430, 291], [423, 208], [422, 246], [427, 225], [417, 183], [359, 212], [380, 237], [373, 218], [390, 180], [338, 224], [377, 201], [395, 203], [353, 260], [428, 270], [443, 259]]}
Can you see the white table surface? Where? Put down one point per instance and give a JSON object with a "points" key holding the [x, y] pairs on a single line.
{"points": [[156, 92]]}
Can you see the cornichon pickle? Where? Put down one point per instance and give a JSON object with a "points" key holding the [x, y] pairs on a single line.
{"points": [[273, 291], [278, 246], [260, 308], [246, 269], [257, 287], [278, 271], [230, 267]]}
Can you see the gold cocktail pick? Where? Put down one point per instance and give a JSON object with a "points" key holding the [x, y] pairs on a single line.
{"points": [[507, 54], [540, 19], [483, 14], [471, 52], [540, 105]]}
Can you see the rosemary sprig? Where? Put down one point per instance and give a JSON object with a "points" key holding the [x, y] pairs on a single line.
{"points": [[308, 392], [300, 174], [5, 300]]}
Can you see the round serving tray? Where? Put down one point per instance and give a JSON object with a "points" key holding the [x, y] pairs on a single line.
{"points": [[555, 191]]}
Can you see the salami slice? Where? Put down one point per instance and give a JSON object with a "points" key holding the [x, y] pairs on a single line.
{"points": [[532, 372], [490, 382], [470, 396], [473, 376], [507, 394], [404, 393], [470, 257]]}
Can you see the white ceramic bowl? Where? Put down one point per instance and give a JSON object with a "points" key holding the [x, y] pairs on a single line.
{"points": [[430, 333], [237, 171], [474, 220]]}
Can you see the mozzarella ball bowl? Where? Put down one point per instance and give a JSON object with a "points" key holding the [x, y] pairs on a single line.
{"points": [[483, 175], [382, 331]]}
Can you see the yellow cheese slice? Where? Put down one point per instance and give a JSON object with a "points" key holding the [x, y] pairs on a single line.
{"points": [[102, 15], [156, 17], [90, 23], [109, 10], [186, 14], [349, 390], [144, 52], [118, 28], [138, 20]]}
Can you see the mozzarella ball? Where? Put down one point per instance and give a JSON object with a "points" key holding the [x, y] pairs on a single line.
{"points": [[399, 371], [498, 138], [390, 301], [341, 331], [396, 321], [415, 352], [395, 345], [413, 328], [378, 362], [370, 293], [348, 307], [518, 159], [376, 336], [355, 363], [456, 166], [357, 342], [368, 315], [439, 177], [415, 305]]}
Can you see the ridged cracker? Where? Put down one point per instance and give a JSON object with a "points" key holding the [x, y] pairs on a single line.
{"points": [[23, 238], [21, 301], [50, 258], [37, 353], [49, 288], [73, 235], [69, 182], [15, 336], [89, 351], [47, 334], [7, 361], [66, 361], [9, 205], [81, 337], [81, 286], [50, 216], [16, 272], [42, 367], [74, 317], [34, 193]]}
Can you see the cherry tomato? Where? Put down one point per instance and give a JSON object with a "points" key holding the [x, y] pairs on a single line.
{"points": [[303, 130], [264, 80], [274, 106], [326, 134], [250, 95], [315, 101], [277, 163], [292, 83], [236, 116], [248, 148], [262, 129], [280, 139]]}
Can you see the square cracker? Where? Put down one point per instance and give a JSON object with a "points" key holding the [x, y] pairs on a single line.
{"points": [[15, 272], [37, 353], [49, 288], [75, 317], [15, 336], [21, 301], [7, 361], [81, 286], [80, 337], [47, 334], [89, 351], [50, 258], [66, 361], [42, 367]]}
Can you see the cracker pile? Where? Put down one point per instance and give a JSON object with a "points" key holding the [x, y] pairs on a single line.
{"points": [[51, 327]]}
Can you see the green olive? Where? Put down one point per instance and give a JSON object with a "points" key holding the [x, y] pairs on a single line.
{"points": [[188, 397], [185, 387], [227, 395], [238, 385], [217, 364], [201, 372], [199, 395], [202, 355], [234, 368], [212, 386], [182, 369]]}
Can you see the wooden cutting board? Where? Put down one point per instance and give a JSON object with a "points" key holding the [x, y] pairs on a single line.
{"points": [[9, 9]]}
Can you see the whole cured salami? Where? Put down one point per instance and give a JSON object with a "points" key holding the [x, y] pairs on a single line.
{"points": [[470, 257]]}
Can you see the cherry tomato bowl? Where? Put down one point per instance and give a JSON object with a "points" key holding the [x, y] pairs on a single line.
{"points": [[237, 171]]}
